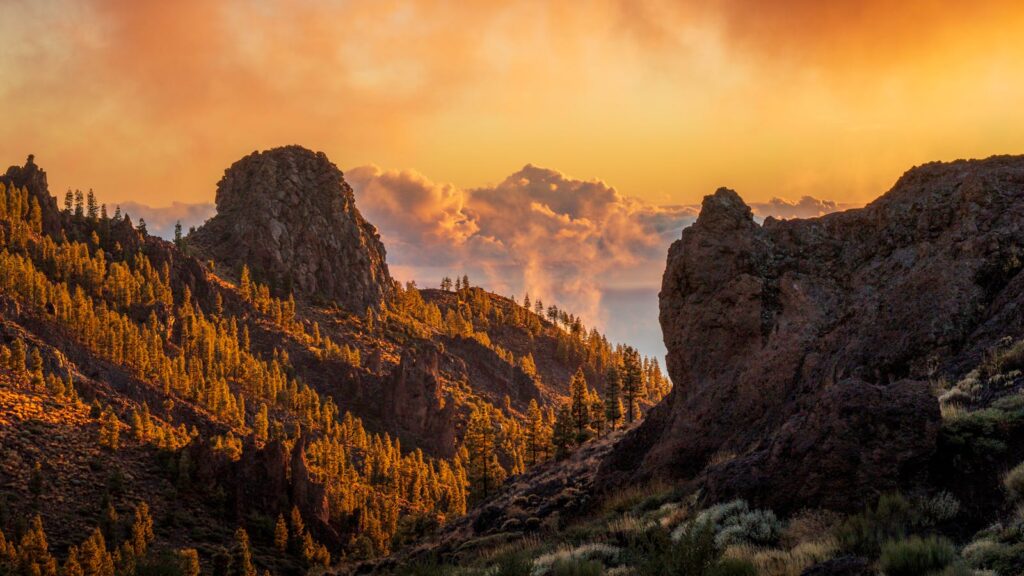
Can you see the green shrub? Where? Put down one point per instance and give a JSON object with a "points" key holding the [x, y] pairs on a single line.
{"points": [[892, 518], [735, 523], [1014, 482], [733, 567], [916, 556], [577, 567], [689, 551]]}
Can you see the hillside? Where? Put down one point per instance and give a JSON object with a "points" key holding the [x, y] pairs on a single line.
{"points": [[170, 394], [848, 400]]}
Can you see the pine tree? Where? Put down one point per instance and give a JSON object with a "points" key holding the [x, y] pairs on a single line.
{"points": [[261, 424], [579, 404], [110, 430], [93, 209], [536, 434], [177, 234], [189, 561], [563, 434], [612, 402], [245, 283], [34, 557], [68, 201], [465, 282], [298, 527], [17, 364], [241, 556], [142, 529], [281, 534], [485, 472], [632, 381]]}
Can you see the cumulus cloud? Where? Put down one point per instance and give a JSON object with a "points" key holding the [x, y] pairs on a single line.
{"points": [[806, 207], [538, 231], [160, 220]]}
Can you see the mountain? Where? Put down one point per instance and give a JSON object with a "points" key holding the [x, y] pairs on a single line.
{"points": [[848, 399], [161, 396], [289, 215], [805, 352]]}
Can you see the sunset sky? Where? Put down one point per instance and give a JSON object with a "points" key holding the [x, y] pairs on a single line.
{"points": [[648, 105]]}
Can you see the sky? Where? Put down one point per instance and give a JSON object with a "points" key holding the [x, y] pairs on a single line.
{"points": [[550, 147]]}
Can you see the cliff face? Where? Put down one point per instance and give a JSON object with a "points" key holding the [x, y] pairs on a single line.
{"points": [[801, 351], [289, 214]]}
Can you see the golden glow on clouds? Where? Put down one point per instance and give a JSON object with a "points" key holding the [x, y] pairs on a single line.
{"points": [[666, 100]]}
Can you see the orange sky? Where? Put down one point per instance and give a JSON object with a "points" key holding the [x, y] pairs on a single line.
{"points": [[150, 101]]}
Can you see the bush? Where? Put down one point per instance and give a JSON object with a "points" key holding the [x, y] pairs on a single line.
{"points": [[735, 523], [690, 550], [1014, 482], [577, 567], [892, 518], [916, 556], [733, 567]]}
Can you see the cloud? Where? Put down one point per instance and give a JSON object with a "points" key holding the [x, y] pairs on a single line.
{"points": [[538, 231], [160, 220], [806, 207]]}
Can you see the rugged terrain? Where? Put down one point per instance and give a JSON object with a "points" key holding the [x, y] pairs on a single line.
{"points": [[804, 352], [847, 400], [263, 372]]}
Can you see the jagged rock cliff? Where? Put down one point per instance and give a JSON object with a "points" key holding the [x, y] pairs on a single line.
{"points": [[801, 350], [289, 214], [33, 178]]}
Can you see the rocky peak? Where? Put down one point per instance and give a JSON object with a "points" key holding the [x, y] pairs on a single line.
{"points": [[801, 350], [33, 178], [290, 216]]}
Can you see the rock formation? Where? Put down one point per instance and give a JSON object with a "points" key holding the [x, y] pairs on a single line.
{"points": [[289, 214], [33, 178], [414, 403], [801, 350]]}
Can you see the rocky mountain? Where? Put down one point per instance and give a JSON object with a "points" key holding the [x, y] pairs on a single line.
{"points": [[290, 216], [144, 381], [848, 400], [804, 352]]}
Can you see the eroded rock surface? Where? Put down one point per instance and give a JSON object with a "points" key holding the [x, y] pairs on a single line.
{"points": [[289, 214], [801, 350]]}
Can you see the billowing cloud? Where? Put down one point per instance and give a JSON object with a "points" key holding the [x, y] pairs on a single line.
{"points": [[576, 243], [806, 207], [537, 231]]}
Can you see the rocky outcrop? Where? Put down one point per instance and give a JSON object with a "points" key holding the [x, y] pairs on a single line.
{"points": [[414, 403], [801, 350], [33, 179], [290, 216]]}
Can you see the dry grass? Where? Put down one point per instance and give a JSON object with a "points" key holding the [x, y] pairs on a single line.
{"points": [[780, 562], [630, 496]]}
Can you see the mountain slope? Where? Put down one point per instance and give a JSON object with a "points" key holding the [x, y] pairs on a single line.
{"points": [[220, 401]]}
